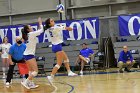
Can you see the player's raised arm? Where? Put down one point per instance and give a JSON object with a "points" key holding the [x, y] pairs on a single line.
{"points": [[69, 28]]}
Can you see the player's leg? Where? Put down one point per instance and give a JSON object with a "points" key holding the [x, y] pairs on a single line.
{"points": [[7, 63], [57, 49], [59, 58], [33, 70], [67, 65], [4, 67]]}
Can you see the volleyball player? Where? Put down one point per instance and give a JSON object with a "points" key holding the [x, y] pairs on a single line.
{"points": [[56, 40], [30, 38], [4, 47]]}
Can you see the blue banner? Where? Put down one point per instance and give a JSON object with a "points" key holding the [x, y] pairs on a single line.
{"points": [[129, 25], [82, 29]]}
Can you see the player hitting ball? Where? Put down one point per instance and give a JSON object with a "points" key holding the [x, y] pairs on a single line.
{"points": [[56, 40]]}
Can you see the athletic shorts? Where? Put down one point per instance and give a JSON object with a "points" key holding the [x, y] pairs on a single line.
{"points": [[28, 57], [87, 59], [57, 48]]}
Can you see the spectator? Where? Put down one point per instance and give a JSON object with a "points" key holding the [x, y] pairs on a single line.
{"points": [[84, 56], [15, 56], [125, 60]]}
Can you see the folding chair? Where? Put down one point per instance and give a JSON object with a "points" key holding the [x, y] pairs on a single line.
{"points": [[137, 59], [98, 62]]}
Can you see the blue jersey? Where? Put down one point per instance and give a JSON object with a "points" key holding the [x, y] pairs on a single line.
{"points": [[86, 52], [17, 51], [125, 56]]}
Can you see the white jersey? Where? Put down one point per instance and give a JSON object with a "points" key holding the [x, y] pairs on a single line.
{"points": [[31, 42], [5, 49], [56, 35]]}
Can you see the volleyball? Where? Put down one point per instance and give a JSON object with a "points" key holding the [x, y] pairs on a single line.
{"points": [[60, 8]]}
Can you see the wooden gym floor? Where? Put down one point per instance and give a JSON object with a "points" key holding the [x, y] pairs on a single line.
{"points": [[91, 83]]}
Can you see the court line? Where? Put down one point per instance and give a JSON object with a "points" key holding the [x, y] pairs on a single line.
{"points": [[64, 83], [55, 89]]}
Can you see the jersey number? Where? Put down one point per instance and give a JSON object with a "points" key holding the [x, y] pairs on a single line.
{"points": [[51, 34]]}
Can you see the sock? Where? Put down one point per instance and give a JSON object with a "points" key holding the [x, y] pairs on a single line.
{"points": [[23, 77], [3, 74], [69, 71], [27, 81]]}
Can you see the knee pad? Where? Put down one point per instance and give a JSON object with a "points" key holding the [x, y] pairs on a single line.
{"points": [[57, 66], [34, 73], [66, 61]]}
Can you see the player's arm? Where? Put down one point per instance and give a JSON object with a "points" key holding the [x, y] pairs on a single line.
{"points": [[40, 22], [61, 27], [40, 30], [10, 60], [68, 28]]}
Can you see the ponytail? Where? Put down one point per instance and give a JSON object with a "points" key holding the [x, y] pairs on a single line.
{"points": [[25, 32], [47, 24]]}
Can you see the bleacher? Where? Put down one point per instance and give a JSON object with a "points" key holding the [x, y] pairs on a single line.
{"points": [[131, 42], [70, 47]]}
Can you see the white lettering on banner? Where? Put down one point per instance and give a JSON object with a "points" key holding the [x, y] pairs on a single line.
{"points": [[82, 29], [130, 25], [6, 30], [13, 30], [79, 31], [20, 33], [1, 34], [92, 29]]}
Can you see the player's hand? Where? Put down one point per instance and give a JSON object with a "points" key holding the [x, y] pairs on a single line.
{"points": [[11, 63], [69, 28], [40, 20]]}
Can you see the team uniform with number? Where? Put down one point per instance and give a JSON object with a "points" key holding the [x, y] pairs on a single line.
{"points": [[29, 53], [56, 37], [5, 49]]}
